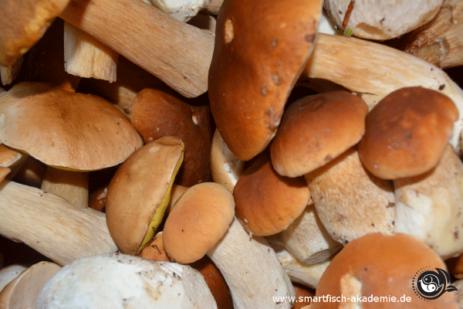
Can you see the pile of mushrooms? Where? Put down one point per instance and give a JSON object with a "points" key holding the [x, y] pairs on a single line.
{"points": [[229, 154]]}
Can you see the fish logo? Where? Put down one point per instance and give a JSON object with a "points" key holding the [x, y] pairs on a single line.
{"points": [[430, 285]]}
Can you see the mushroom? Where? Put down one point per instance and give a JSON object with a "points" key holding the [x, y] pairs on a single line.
{"points": [[247, 96], [182, 10], [226, 168], [12, 159], [381, 20], [139, 193], [51, 225], [4, 171], [125, 281], [23, 23], [42, 120], [10, 73], [407, 132], [177, 53], [307, 239], [380, 265], [439, 41], [9, 273], [22, 292], [31, 172], [267, 203], [430, 206], [248, 264], [155, 114], [459, 293]]}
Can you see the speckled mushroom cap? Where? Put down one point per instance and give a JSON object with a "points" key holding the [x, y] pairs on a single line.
{"points": [[139, 193], [267, 203], [315, 130], [260, 50], [406, 132], [197, 222], [155, 114], [64, 129], [23, 22], [381, 265]]}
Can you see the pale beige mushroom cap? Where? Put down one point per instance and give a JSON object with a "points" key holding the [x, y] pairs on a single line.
{"points": [[64, 129]]}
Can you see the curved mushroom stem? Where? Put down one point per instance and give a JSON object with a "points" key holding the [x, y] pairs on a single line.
{"points": [[378, 70], [51, 225], [251, 269], [71, 185], [85, 56], [226, 168], [307, 239], [298, 272]]}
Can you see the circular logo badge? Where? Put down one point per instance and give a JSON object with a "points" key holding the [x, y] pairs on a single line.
{"points": [[431, 284]]}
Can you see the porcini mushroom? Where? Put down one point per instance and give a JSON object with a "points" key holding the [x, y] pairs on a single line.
{"points": [[122, 281], [248, 96], [139, 193], [9, 273]]}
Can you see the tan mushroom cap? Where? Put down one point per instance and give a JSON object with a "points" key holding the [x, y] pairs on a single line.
{"points": [[155, 114], [24, 289], [139, 193], [4, 171], [23, 22], [315, 130], [260, 50], [197, 222], [381, 265], [65, 130], [8, 156], [406, 132], [267, 203]]}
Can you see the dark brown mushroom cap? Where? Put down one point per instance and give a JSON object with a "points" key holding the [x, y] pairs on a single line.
{"points": [[64, 129], [260, 50], [385, 266], [315, 130], [406, 132], [267, 203], [155, 114], [22, 24]]}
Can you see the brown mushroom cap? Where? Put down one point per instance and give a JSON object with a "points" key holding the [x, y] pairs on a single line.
{"points": [[260, 50], [23, 22], [155, 114], [64, 129], [406, 132], [316, 129], [197, 222], [267, 203], [385, 266], [139, 193]]}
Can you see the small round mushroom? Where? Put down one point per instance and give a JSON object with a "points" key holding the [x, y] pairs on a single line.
{"points": [[125, 281], [380, 265], [267, 203], [407, 132], [139, 193], [259, 53], [197, 222], [315, 130], [22, 292]]}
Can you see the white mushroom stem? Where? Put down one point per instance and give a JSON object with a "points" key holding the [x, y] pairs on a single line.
{"points": [[70, 185], [307, 239], [117, 281], [177, 53], [251, 269], [350, 201], [226, 168], [9, 273], [430, 206], [373, 71], [440, 41], [85, 56], [31, 172], [9, 74], [182, 10], [51, 225], [307, 275], [22, 292]]}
